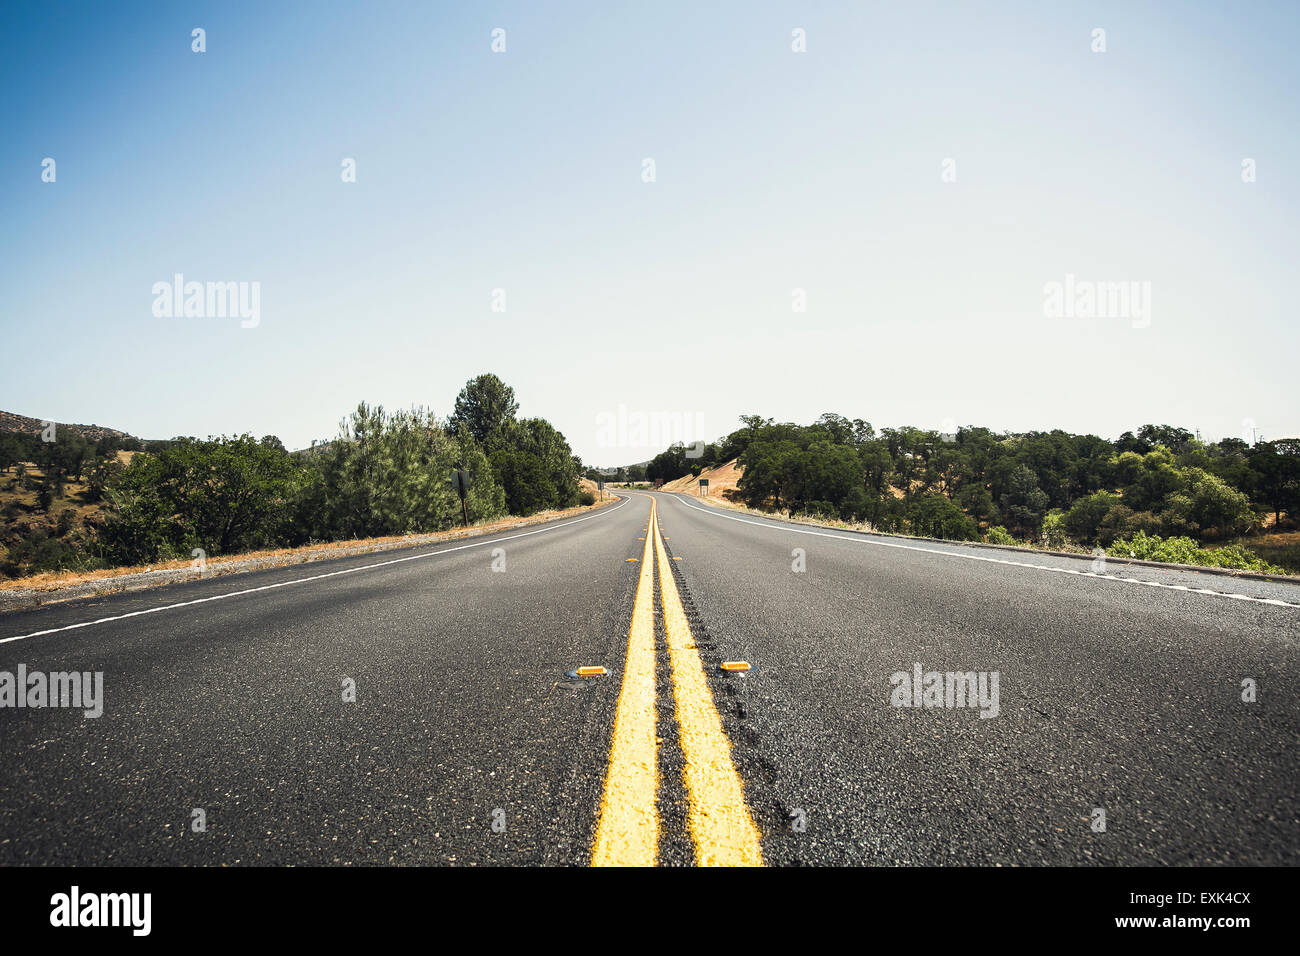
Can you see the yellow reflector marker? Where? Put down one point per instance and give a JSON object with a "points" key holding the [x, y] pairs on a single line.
{"points": [[718, 818], [735, 665], [627, 830], [632, 559], [595, 671]]}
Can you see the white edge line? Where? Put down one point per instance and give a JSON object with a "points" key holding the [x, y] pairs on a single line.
{"points": [[977, 557], [316, 577]]}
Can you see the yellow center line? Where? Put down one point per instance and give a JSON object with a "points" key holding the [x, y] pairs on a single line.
{"points": [[719, 820], [628, 830]]}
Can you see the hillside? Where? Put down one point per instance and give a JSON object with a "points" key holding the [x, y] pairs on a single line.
{"points": [[722, 479], [12, 422]]}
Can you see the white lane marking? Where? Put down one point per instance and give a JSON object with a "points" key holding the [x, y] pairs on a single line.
{"points": [[977, 557], [315, 577]]}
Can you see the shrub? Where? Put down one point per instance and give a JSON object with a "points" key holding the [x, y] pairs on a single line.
{"points": [[1213, 505], [1085, 516], [38, 551], [937, 516], [586, 498], [1183, 550], [820, 509], [1122, 521], [999, 535], [1054, 529], [223, 495]]}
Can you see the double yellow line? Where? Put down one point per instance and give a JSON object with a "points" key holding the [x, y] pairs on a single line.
{"points": [[627, 833]]}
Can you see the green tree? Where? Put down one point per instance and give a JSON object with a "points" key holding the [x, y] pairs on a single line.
{"points": [[976, 500], [1207, 505], [1023, 504], [525, 480], [1085, 516], [487, 407], [390, 474], [222, 495], [937, 516], [1155, 478], [1275, 467]]}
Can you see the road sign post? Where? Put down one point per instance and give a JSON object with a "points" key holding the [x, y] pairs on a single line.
{"points": [[460, 484], [704, 487]]}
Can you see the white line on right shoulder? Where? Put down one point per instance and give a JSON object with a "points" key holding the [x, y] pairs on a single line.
{"points": [[854, 539]]}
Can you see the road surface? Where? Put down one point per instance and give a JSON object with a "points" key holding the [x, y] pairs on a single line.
{"points": [[414, 707]]}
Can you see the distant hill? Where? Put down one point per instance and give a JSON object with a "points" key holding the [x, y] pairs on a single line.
{"points": [[316, 448], [11, 422], [723, 480]]}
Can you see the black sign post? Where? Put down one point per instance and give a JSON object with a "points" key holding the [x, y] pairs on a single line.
{"points": [[460, 483]]}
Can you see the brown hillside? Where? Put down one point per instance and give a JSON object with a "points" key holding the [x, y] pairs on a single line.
{"points": [[722, 479], [11, 422]]}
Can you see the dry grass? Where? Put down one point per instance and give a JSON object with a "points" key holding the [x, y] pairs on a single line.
{"points": [[1279, 547], [722, 479], [12, 492]]}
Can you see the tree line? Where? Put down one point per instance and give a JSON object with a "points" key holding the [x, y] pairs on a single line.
{"points": [[386, 473], [1053, 488]]}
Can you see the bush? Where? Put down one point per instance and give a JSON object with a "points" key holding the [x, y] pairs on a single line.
{"points": [[937, 516], [1083, 520], [222, 495], [1182, 550], [526, 482], [1122, 521], [1054, 529], [820, 509], [999, 535], [1212, 505], [39, 551], [586, 498]]}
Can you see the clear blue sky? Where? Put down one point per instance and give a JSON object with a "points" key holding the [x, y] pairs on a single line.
{"points": [[775, 170]]}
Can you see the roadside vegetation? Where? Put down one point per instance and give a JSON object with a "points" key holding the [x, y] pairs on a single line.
{"points": [[79, 505], [1159, 493]]}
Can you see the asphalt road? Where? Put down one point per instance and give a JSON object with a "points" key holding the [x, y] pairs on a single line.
{"points": [[467, 744]]}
